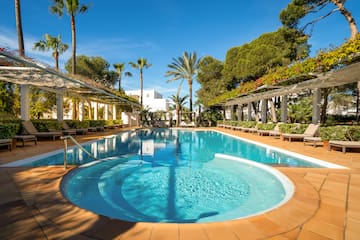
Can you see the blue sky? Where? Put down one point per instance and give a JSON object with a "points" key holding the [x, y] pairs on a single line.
{"points": [[159, 30]]}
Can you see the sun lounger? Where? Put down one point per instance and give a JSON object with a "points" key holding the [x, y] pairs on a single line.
{"points": [[344, 145], [76, 130], [273, 132], [30, 129], [26, 138], [6, 142], [314, 141], [311, 131]]}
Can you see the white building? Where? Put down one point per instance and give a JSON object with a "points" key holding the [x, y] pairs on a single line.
{"points": [[151, 100]]}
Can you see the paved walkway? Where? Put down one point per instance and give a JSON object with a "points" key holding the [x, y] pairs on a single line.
{"points": [[326, 204]]}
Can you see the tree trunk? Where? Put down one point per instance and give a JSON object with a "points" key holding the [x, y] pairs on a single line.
{"points": [[19, 29], [73, 31], [190, 97], [177, 116], [56, 57], [120, 82], [141, 88], [348, 16]]}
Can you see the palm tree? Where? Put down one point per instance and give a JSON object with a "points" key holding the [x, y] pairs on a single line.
{"points": [[179, 103], [141, 64], [184, 67], [19, 29], [53, 43], [120, 67], [72, 7]]}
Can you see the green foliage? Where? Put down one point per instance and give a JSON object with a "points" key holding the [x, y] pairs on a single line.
{"points": [[77, 123], [300, 111], [292, 128], [47, 125], [265, 126], [247, 124], [211, 80], [340, 133], [353, 133], [209, 117], [7, 98], [253, 60], [184, 67], [325, 61], [96, 123], [95, 68], [41, 102], [9, 130]]}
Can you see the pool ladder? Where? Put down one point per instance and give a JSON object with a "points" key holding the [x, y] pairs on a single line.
{"points": [[65, 138]]}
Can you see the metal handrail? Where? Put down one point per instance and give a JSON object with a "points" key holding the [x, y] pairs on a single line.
{"points": [[77, 144]]}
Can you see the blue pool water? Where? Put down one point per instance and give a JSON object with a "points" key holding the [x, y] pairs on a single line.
{"points": [[172, 175], [166, 146], [131, 189]]}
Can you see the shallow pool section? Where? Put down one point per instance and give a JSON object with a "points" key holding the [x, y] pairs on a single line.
{"points": [[131, 189]]}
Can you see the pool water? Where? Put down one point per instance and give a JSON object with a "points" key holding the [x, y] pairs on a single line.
{"points": [[131, 189], [167, 146]]}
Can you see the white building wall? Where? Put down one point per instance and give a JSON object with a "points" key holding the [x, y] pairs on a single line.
{"points": [[151, 99]]}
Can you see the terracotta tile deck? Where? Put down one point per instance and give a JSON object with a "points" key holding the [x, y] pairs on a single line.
{"points": [[326, 203]]}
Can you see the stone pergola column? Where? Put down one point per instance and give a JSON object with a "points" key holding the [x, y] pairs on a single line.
{"points": [[316, 106], [106, 112], [81, 110], [59, 107], [264, 110], [240, 114], [25, 102], [232, 112], [95, 110], [249, 111], [284, 108], [114, 111]]}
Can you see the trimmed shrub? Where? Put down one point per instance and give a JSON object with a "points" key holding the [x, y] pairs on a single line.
{"points": [[8, 130], [46, 125], [265, 126], [293, 128], [77, 124]]}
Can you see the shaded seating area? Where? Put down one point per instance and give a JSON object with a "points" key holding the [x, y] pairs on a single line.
{"points": [[311, 131], [344, 145], [30, 129]]}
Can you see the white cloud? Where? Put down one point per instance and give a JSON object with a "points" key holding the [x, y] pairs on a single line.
{"points": [[8, 39]]}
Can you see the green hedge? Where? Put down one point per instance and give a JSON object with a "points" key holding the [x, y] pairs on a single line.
{"points": [[96, 123], [47, 125], [9, 130], [77, 124], [340, 133], [293, 128], [265, 126]]}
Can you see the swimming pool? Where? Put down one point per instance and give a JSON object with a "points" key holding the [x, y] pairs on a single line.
{"points": [[130, 189], [183, 146]]}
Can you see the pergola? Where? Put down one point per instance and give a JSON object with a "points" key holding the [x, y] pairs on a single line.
{"points": [[27, 72], [314, 81]]}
